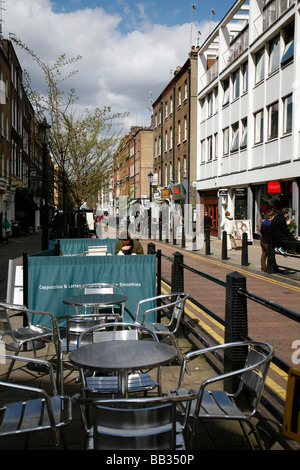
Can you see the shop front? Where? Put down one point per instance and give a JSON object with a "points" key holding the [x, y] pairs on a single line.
{"points": [[210, 199], [272, 195]]}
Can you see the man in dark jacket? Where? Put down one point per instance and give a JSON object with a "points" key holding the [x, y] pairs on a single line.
{"points": [[279, 231]]}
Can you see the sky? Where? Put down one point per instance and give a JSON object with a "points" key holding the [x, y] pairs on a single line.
{"points": [[129, 48]]}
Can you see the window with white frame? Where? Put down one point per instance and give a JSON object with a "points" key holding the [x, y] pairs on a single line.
{"points": [[274, 54], [171, 172], [166, 141], [210, 102], [244, 137], [171, 104], [235, 137], [259, 127], [216, 99], [226, 92], [179, 132], [159, 146], [184, 165], [155, 149], [287, 114], [178, 170], [185, 90], [236, 84], [260, 66], [185, 128], [166, 109], [209, 148], [288, 52], [171, 137], [216, 145], [179, 96], [245, 77], [226, 141], [273, 121]]}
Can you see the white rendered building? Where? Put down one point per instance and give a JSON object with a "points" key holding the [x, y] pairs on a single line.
{"points": [[248, 128]]}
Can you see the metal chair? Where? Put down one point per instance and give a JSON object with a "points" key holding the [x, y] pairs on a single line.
{"points": [[147, 423], [218, 404], [69, 333], [102, 288], [138, 381], [19, 413], [173, 306], [29, 335]]}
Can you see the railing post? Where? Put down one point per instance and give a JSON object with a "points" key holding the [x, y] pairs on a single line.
{"points": [[236, 324], [244, 260], [177, 280], [224, 245]]}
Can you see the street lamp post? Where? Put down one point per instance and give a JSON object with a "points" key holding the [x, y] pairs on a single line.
{"points": [[150, 179], [45, 129]]}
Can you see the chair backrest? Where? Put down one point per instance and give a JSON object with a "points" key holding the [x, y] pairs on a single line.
{"points": [[172, 303], [134, 426], [115, 331], [77, 324], [7, 310], [100, 288], [260, 359]]}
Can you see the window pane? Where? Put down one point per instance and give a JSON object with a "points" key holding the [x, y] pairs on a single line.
{"points": [[244, 134], [225, 141], [274, 55], [226, 92], [273, 121], [260, 65], [288, 114], [236, 84], [259, 126], [235, 137]]}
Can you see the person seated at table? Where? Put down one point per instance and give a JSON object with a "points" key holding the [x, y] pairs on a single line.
{"points": [[127, 246]]}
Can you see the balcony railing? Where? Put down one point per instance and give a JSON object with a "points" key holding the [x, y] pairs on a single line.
{"points": [[271, 13]]}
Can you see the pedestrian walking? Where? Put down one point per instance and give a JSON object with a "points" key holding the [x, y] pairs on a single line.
{"points": [[265, 231], [228, 226]]}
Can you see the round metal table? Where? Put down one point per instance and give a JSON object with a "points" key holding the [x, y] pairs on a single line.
{"points": [[96, 300], [122, 357]]}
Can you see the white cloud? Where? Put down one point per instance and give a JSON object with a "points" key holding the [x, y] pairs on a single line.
{"points": [[118, 69]]}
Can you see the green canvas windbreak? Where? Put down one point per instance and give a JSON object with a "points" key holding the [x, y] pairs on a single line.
{"points": [[77, 246], [51, 279]]}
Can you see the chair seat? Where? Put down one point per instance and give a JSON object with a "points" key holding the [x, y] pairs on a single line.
{"points": [[107, 433], [32, 415], [136, 382], [215, 404], [25, 333], [157, 327]]}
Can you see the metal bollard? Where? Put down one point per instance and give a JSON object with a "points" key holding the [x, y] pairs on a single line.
{"points": [[177, 278], [224, 245], [244, 260], [207, 241], [236, 324]]}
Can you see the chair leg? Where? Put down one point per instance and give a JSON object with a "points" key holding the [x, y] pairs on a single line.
{"points": [[255, 433]]}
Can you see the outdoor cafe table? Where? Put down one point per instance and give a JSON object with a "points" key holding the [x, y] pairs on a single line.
{"points": [[96, 300], [122, 357]]}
